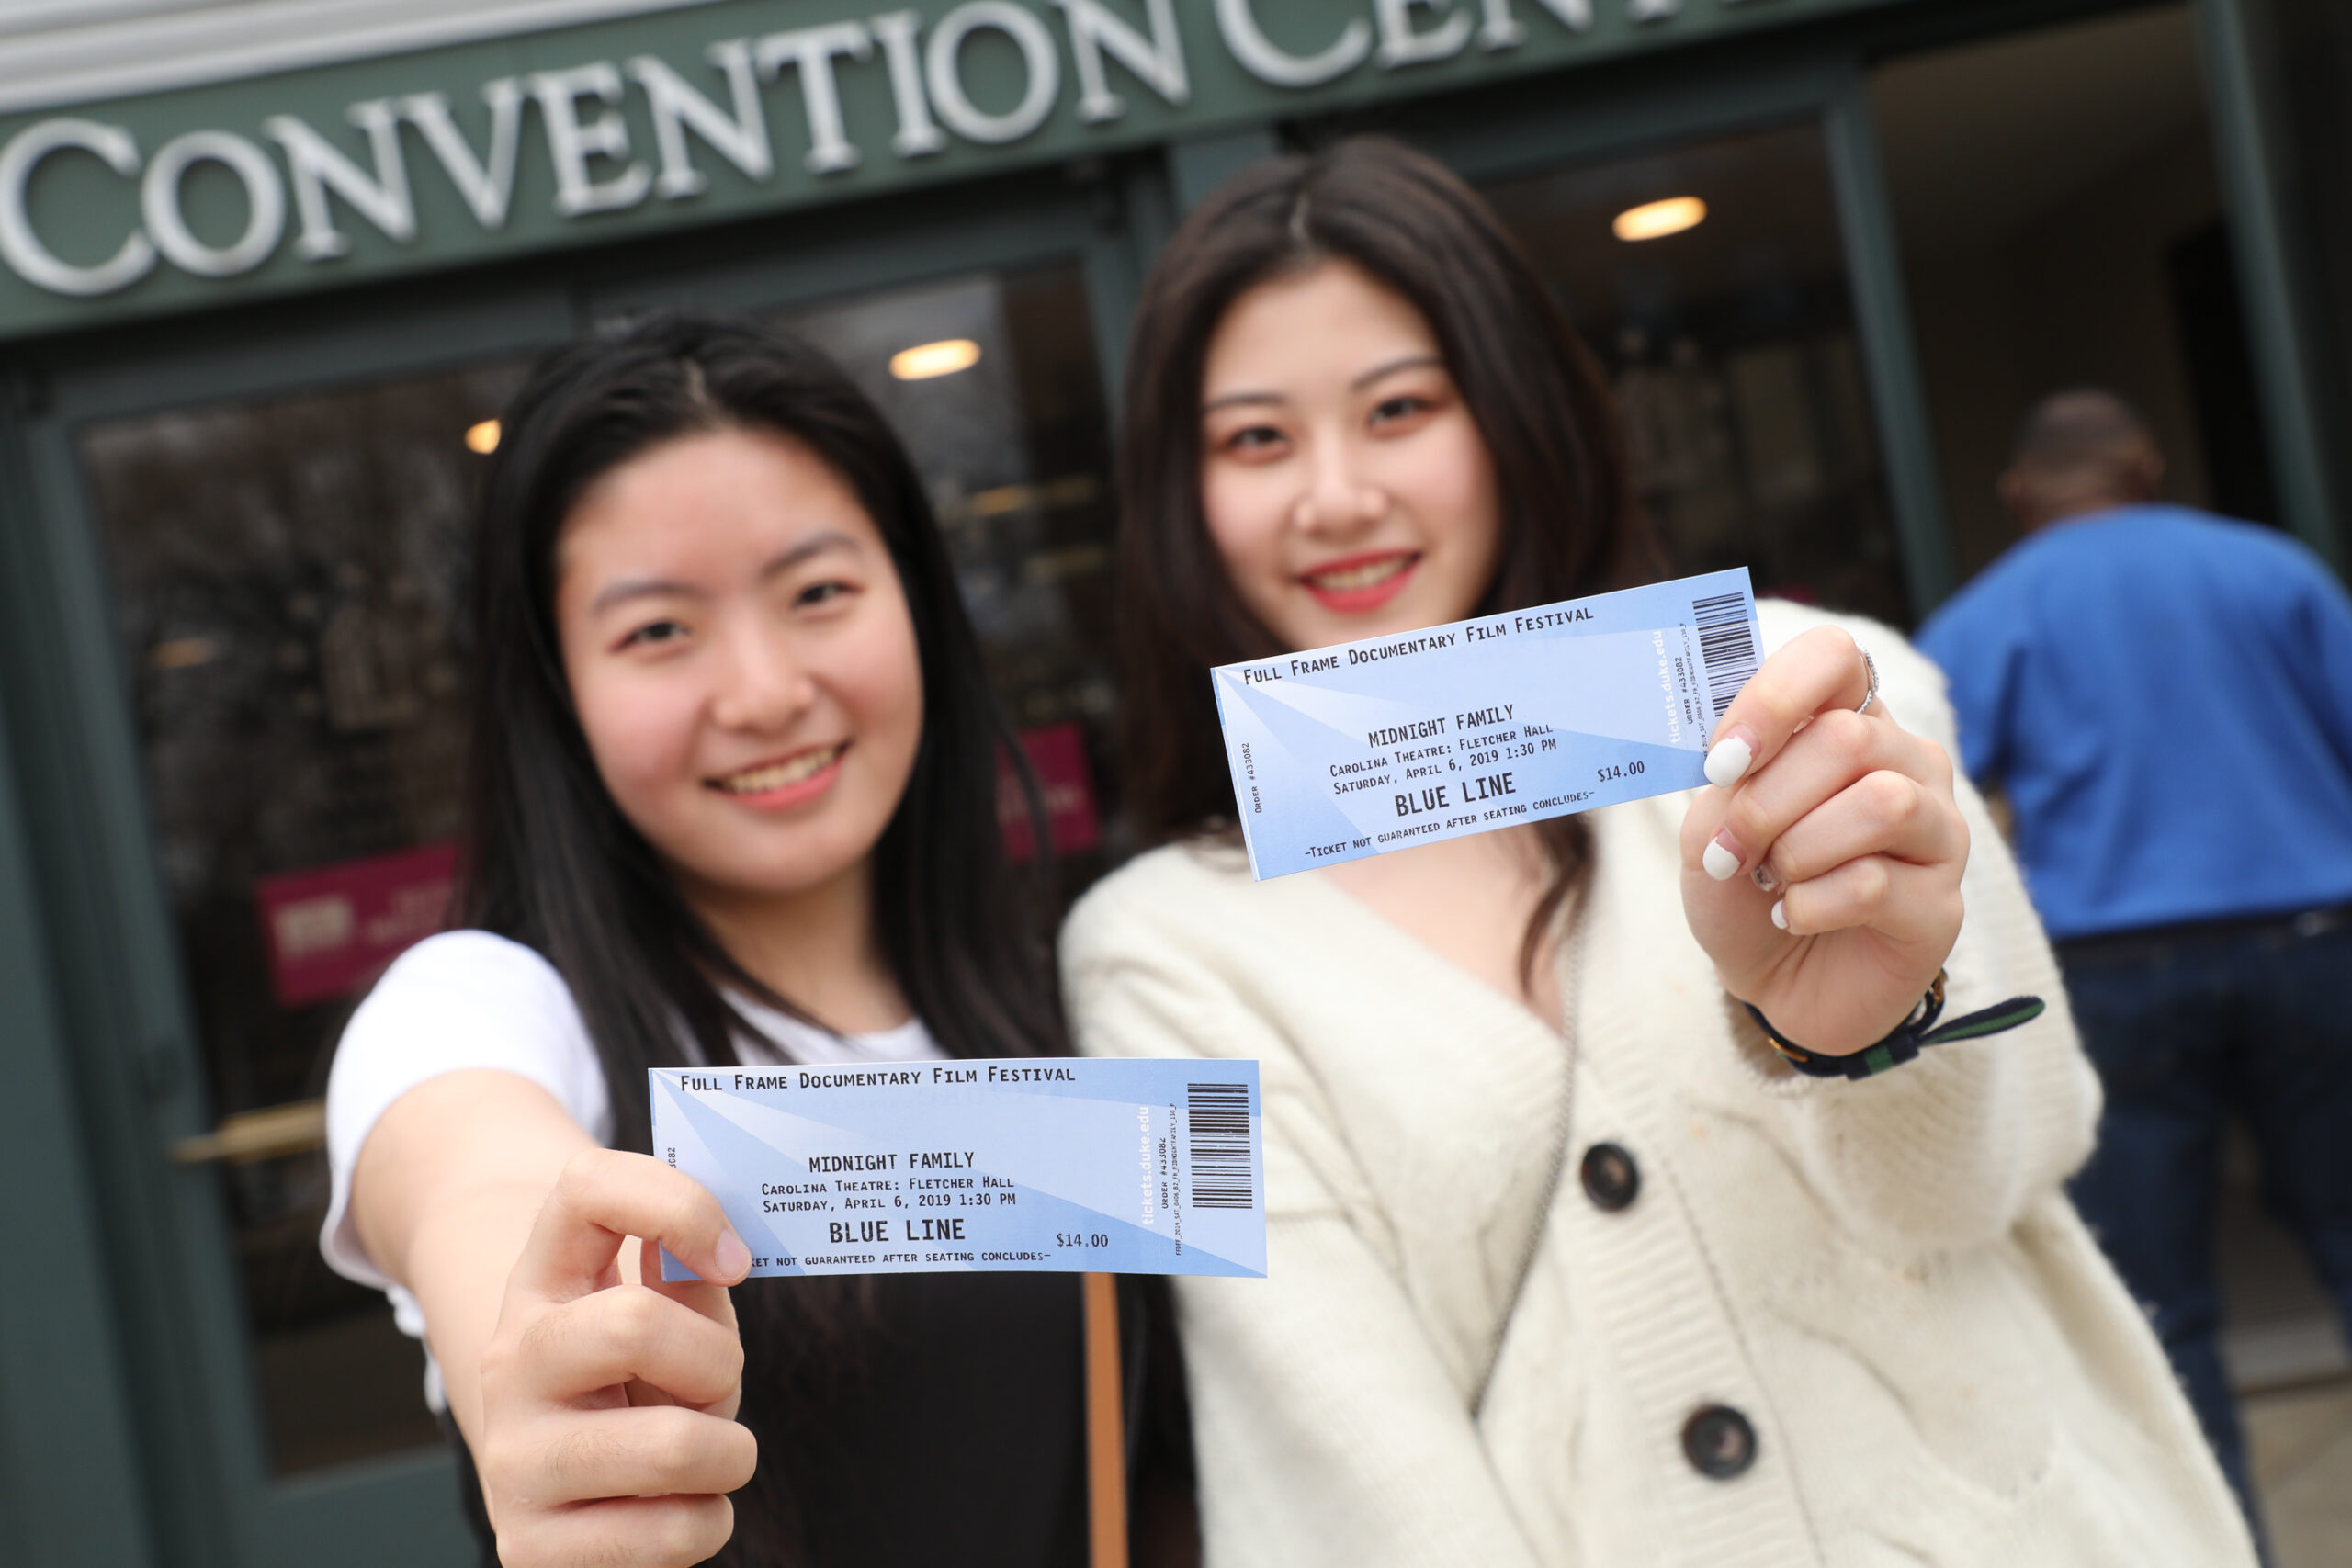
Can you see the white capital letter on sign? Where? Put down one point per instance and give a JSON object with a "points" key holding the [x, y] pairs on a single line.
{"points": [[917, 135], [678, 106], [487, 184], [1157, 62], [943, 65], [1400, 45], [22, 249], [812, 50], [1259, 56], [571, 143], [159, 203], [1500, 30], [317, 163]]}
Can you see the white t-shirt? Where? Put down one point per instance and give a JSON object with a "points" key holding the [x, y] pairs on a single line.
{"points": [[469, 998]]}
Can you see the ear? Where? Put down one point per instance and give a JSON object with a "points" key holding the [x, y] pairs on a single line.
{"points": [[2015, 490]]}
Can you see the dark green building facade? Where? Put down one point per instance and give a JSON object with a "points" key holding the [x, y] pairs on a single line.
{"points": [[260, 305]]}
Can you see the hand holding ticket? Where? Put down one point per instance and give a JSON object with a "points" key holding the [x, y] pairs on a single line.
{"points": [[1112, 1167], [1366, 747]]}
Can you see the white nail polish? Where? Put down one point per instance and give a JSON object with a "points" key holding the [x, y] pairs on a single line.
{"points": [[1721, 863], [1727, 764], [1780, 913]]}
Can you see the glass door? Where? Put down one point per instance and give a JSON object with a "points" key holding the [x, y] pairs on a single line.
{"points": [[1716, 232], [1709, 277], [245, 592], [287, 575], [993, 381], [242, 595]]}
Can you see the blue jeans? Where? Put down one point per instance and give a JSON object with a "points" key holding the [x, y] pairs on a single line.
{"points": [[2188, 1026]]}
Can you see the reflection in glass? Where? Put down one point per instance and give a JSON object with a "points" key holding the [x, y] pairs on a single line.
{"points": [[287, 582], [1723, 319], [1005, 422], [286, 587]]}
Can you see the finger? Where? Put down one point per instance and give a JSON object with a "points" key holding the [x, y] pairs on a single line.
{"points": [[1905, 903], [1834, 752], [643, 1533], [606, 1338], [1822, 670], [644, 1452], [605, 1196], [1882, 813], [712, 1302]]}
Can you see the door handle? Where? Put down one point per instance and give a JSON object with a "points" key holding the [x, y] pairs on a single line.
{"points": [[274, 1130]]}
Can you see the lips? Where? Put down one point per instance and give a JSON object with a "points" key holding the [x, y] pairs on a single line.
{"points": [[802, 774], [1361, 582]]}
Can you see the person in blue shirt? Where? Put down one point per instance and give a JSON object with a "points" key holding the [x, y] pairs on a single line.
{"points": [[2165, 698]]}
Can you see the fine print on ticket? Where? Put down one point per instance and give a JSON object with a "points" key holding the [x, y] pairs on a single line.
{"points": [[1366, 747], [1120, 1167]]}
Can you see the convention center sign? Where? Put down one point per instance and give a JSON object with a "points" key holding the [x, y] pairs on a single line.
{"points": [[582, 135]]}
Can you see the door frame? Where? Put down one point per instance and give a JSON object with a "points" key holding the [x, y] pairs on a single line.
{"points": [[164, 1421]]}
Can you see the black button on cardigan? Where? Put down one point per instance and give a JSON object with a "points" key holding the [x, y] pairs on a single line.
{"points": [[1719, 1442], [1611, 1178]]}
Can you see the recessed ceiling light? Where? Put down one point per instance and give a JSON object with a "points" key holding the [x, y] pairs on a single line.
{"points": [[1656, 219], [925, 360], [482, 437]]}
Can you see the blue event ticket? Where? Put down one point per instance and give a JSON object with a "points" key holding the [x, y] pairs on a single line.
{"points": [[1366, 747], [1142, 1167]]}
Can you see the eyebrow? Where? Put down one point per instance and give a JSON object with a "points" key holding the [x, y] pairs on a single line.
{"points": [[630, 588], [1410, 362]]}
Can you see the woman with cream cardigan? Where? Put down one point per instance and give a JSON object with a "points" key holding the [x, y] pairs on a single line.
{"points": [[1569, 1261]]}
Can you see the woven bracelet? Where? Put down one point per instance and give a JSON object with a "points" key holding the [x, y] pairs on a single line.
{"points": [[1910, 1037]]}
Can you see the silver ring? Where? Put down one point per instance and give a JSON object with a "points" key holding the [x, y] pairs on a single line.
{"points": [[1870, 696]]}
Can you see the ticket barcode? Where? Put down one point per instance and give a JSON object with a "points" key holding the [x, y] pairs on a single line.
{"points": [[1217, 1142], [1726, 645]]}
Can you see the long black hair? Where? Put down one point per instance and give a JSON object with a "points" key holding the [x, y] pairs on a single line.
{"points": [[1570, 523], [549, 859], [551, 862]]}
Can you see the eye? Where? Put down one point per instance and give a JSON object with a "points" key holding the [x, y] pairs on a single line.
{"points": [[1402, 407], [1253, 440], [824, 593], [654, 632]]}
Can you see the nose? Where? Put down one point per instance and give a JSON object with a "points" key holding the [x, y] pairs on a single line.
{"points": [[763, 688], [1338, 500]]}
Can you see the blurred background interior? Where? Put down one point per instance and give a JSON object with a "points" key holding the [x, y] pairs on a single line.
{"points": [[1826, 254]]}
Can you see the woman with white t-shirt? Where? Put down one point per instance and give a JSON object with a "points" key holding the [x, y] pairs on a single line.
{"points": [[732, 799]]}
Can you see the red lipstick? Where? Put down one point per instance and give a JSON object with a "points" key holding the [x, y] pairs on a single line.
{"points": [[1363, 585]]}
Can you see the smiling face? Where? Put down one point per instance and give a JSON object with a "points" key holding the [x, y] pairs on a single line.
{"points": [[743, 662], [1342, 479]]}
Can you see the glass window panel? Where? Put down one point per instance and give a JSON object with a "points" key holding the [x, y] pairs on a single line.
{"points": [[2062, 225], [287, 580], [1731, 344], [1014, 450]]}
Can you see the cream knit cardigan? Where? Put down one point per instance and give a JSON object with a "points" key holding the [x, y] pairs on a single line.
{"points": [[1458, 1359]]}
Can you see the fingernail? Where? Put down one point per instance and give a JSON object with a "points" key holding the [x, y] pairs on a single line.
{"points": [[732, 1257], [1727, 762], [1722, 859], [1780, 913], [1763, 878]]}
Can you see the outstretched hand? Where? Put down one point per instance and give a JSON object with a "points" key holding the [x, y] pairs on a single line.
{"points": [[1822, 872], [607, 1408]]}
